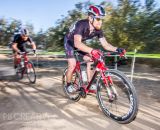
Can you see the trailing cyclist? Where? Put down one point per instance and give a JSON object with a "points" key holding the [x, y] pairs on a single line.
{"points": [[19, 42], [80, 32]]}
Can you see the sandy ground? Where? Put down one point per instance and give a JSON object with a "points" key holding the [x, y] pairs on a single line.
{"points": [[43, 106]]}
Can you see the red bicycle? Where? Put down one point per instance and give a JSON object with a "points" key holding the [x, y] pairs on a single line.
{"points": [[24, 66], [115, 93]]}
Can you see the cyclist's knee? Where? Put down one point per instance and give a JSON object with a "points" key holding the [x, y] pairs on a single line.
{"points": [[71, 64], [17, 56], [71, 68], [86, 58]]}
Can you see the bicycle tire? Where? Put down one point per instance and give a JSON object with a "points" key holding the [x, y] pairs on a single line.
{"points": [[128, 89], [30, 69], [19, 72], [75, 97]]}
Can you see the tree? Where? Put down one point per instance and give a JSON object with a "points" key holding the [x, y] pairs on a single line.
{"points": [[131, 25], [7, 29], [56, 34], [10, 27]]}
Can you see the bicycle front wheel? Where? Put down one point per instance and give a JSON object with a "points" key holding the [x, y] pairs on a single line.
{"points": [[31, 74], [123, 105]]}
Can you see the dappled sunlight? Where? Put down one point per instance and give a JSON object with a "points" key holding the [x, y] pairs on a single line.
{"points": [[45, 103], [143, 76]]}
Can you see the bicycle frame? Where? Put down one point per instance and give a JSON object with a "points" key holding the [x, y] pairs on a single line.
{"points": [[23, 57], [107, 83], [100, 67]]}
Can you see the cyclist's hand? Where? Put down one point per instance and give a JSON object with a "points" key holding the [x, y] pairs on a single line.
{"points": [[96, 54], [121, 51], [19, 52], [34, 51]]}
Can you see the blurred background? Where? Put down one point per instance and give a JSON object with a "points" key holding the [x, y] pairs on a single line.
{"points": [[131, 24]]}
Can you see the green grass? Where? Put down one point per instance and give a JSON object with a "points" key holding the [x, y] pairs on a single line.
{"points": [[51, 53], [129, 54], [39, 52], [5, 51]]}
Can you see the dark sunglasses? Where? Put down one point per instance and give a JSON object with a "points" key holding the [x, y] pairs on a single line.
{"points": [[24, 36], [97, 19]]}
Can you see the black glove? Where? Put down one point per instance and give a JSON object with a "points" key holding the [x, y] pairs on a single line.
{"points": [[34, 51], [121, 51], [19, 52]]}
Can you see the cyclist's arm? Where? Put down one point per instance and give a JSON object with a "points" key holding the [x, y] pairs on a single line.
{"points": [[33, 45], [106, 45], [14, 47], [81, 46]]}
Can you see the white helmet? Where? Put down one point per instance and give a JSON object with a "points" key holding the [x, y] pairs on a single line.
{"points": [[24, 31]]}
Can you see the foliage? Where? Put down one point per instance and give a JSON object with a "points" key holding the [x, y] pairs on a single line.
{"points": [[7, 29], [134, 26], [10, 27], [129, 24]]}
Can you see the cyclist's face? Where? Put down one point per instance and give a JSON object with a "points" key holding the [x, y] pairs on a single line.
{"points": [[97, 23], [24, 37]]}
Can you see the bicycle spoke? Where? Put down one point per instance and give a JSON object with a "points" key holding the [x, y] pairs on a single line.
{"points": [[31, 72], [76, 82], [117, 99]]}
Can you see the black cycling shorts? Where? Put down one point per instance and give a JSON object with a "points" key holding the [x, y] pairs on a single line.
{"points": [[69, 49]]}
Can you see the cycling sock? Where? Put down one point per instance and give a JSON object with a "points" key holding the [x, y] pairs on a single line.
{"points": [[15, 66]]}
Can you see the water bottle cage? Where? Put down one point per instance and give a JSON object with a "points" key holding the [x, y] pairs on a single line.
{"points": [[22, 62], [84, 76]]}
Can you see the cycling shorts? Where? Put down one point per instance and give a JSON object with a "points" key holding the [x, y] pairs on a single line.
{"points": [[22, 49], [69, 49]]}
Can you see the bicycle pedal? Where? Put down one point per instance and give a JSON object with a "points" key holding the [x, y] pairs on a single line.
{"points": [[82, 92], [111, 100]]}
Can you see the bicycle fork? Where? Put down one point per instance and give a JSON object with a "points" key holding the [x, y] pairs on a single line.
{"points": [[111, 91]]}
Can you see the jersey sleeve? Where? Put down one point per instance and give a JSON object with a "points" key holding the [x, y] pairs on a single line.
{"points": [[100, 34], [30, 40], [15, 39], [78, 29]]}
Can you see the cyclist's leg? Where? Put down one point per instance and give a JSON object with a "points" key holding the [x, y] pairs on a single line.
{"points": [[69, 50], [16, 59], [17, 56], [71, 67], [89, 68], [90, 72]]}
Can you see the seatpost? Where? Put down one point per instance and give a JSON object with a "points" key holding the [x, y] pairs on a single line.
{"points": [[76, 55]]}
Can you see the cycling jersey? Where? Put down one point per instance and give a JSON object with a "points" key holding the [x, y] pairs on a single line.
{"points": [[82, 28], [20, 42]]}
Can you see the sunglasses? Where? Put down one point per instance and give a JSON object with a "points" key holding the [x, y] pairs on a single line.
{"points": [[97, 18], [24, 36]]}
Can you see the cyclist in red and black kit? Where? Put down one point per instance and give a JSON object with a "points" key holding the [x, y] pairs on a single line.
{"points": [[19, 42], [81, 31]]}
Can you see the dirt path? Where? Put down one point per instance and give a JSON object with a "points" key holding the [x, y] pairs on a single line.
{"points": [[43, 106]]}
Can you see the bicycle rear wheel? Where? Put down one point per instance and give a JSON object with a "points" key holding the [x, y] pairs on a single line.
{"points": [[124, 104], [31, 74], [76, 82]]}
